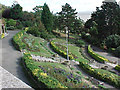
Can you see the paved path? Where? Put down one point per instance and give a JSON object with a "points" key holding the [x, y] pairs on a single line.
{"points": [[105, 54], [11, 58], [7, 80]]}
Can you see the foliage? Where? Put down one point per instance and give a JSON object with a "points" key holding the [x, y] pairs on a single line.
{"points": [[39, 74], [107, 19], [117, 68], [112, 41], [47, 18], [6, 13], [61, 52], [96, 56], [68, 79], [16, 12], [67, 18], [103, 75], [17, 42], [10, 22], [117, 51], [79, 42]]}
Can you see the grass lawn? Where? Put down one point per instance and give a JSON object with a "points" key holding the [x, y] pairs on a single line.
{"points": [[72, 48]]}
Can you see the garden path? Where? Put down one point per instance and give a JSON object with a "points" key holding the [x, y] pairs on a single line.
{"points": [[11, 58]]}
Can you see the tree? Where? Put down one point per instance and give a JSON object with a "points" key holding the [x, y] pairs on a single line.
{"points": [[46, 18], [78, 26], [16, 12], [6, 13], [67, 17], [38, 11]]}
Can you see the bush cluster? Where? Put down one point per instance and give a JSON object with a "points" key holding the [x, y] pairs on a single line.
{"points": [[39, 75], [103, 75], [96, 56], [17, 42], [112, 41]]}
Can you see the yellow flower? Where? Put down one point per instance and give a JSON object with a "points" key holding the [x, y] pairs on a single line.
{"points": [[43, 74], [35, 71]]}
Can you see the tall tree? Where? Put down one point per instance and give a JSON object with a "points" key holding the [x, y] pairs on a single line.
{"points": [[16, 11], [47, 18], [67, 17], [107, 18], [38, 11]]}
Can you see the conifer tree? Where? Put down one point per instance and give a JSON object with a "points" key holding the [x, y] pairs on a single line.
{"points": [[46, 18]]}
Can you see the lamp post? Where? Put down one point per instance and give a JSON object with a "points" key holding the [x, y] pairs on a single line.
{"points": [[67, 41]]}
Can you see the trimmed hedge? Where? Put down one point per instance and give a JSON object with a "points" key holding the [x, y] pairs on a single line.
{"points": [[96, 56], [61, 52], [117, 68], [39, 75], [17, 42], [103, 75]]}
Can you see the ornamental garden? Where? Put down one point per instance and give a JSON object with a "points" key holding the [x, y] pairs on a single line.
{"points": [[58, 50]]}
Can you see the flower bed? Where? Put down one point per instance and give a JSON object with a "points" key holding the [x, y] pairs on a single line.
{"points": [[17, 42], [30, 44], [61, 52], [117, 68], [96, 56], [39, 74], [103, 75], [66, 78]]}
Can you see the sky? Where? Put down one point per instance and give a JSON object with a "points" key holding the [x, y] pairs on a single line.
{"points": [[84, 7]]}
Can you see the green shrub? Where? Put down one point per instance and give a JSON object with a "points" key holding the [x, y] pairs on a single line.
{"points": [[17, 42], [11, 28], [10, 22], [96, 56], [112, 41], [117, 51], [117, 68]]}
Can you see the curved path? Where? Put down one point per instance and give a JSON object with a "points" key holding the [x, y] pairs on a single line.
{"points": [[11, 58], [106, 55]]}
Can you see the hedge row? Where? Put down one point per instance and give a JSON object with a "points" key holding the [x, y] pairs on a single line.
{"points": [[17, 42], [39, 75], [117, 68], [103, 75], [61, 52], [96, 56]]}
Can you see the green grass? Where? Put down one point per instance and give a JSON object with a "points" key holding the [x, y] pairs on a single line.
{"points": [[72, 48]]}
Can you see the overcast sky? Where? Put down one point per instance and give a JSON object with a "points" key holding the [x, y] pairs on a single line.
{"points": [[86, 6]]}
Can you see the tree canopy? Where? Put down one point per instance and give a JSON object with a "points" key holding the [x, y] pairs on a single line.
{"points": [[47, 18]]}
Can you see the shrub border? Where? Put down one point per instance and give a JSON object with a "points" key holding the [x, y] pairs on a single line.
{"points": [[96, 56]]}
